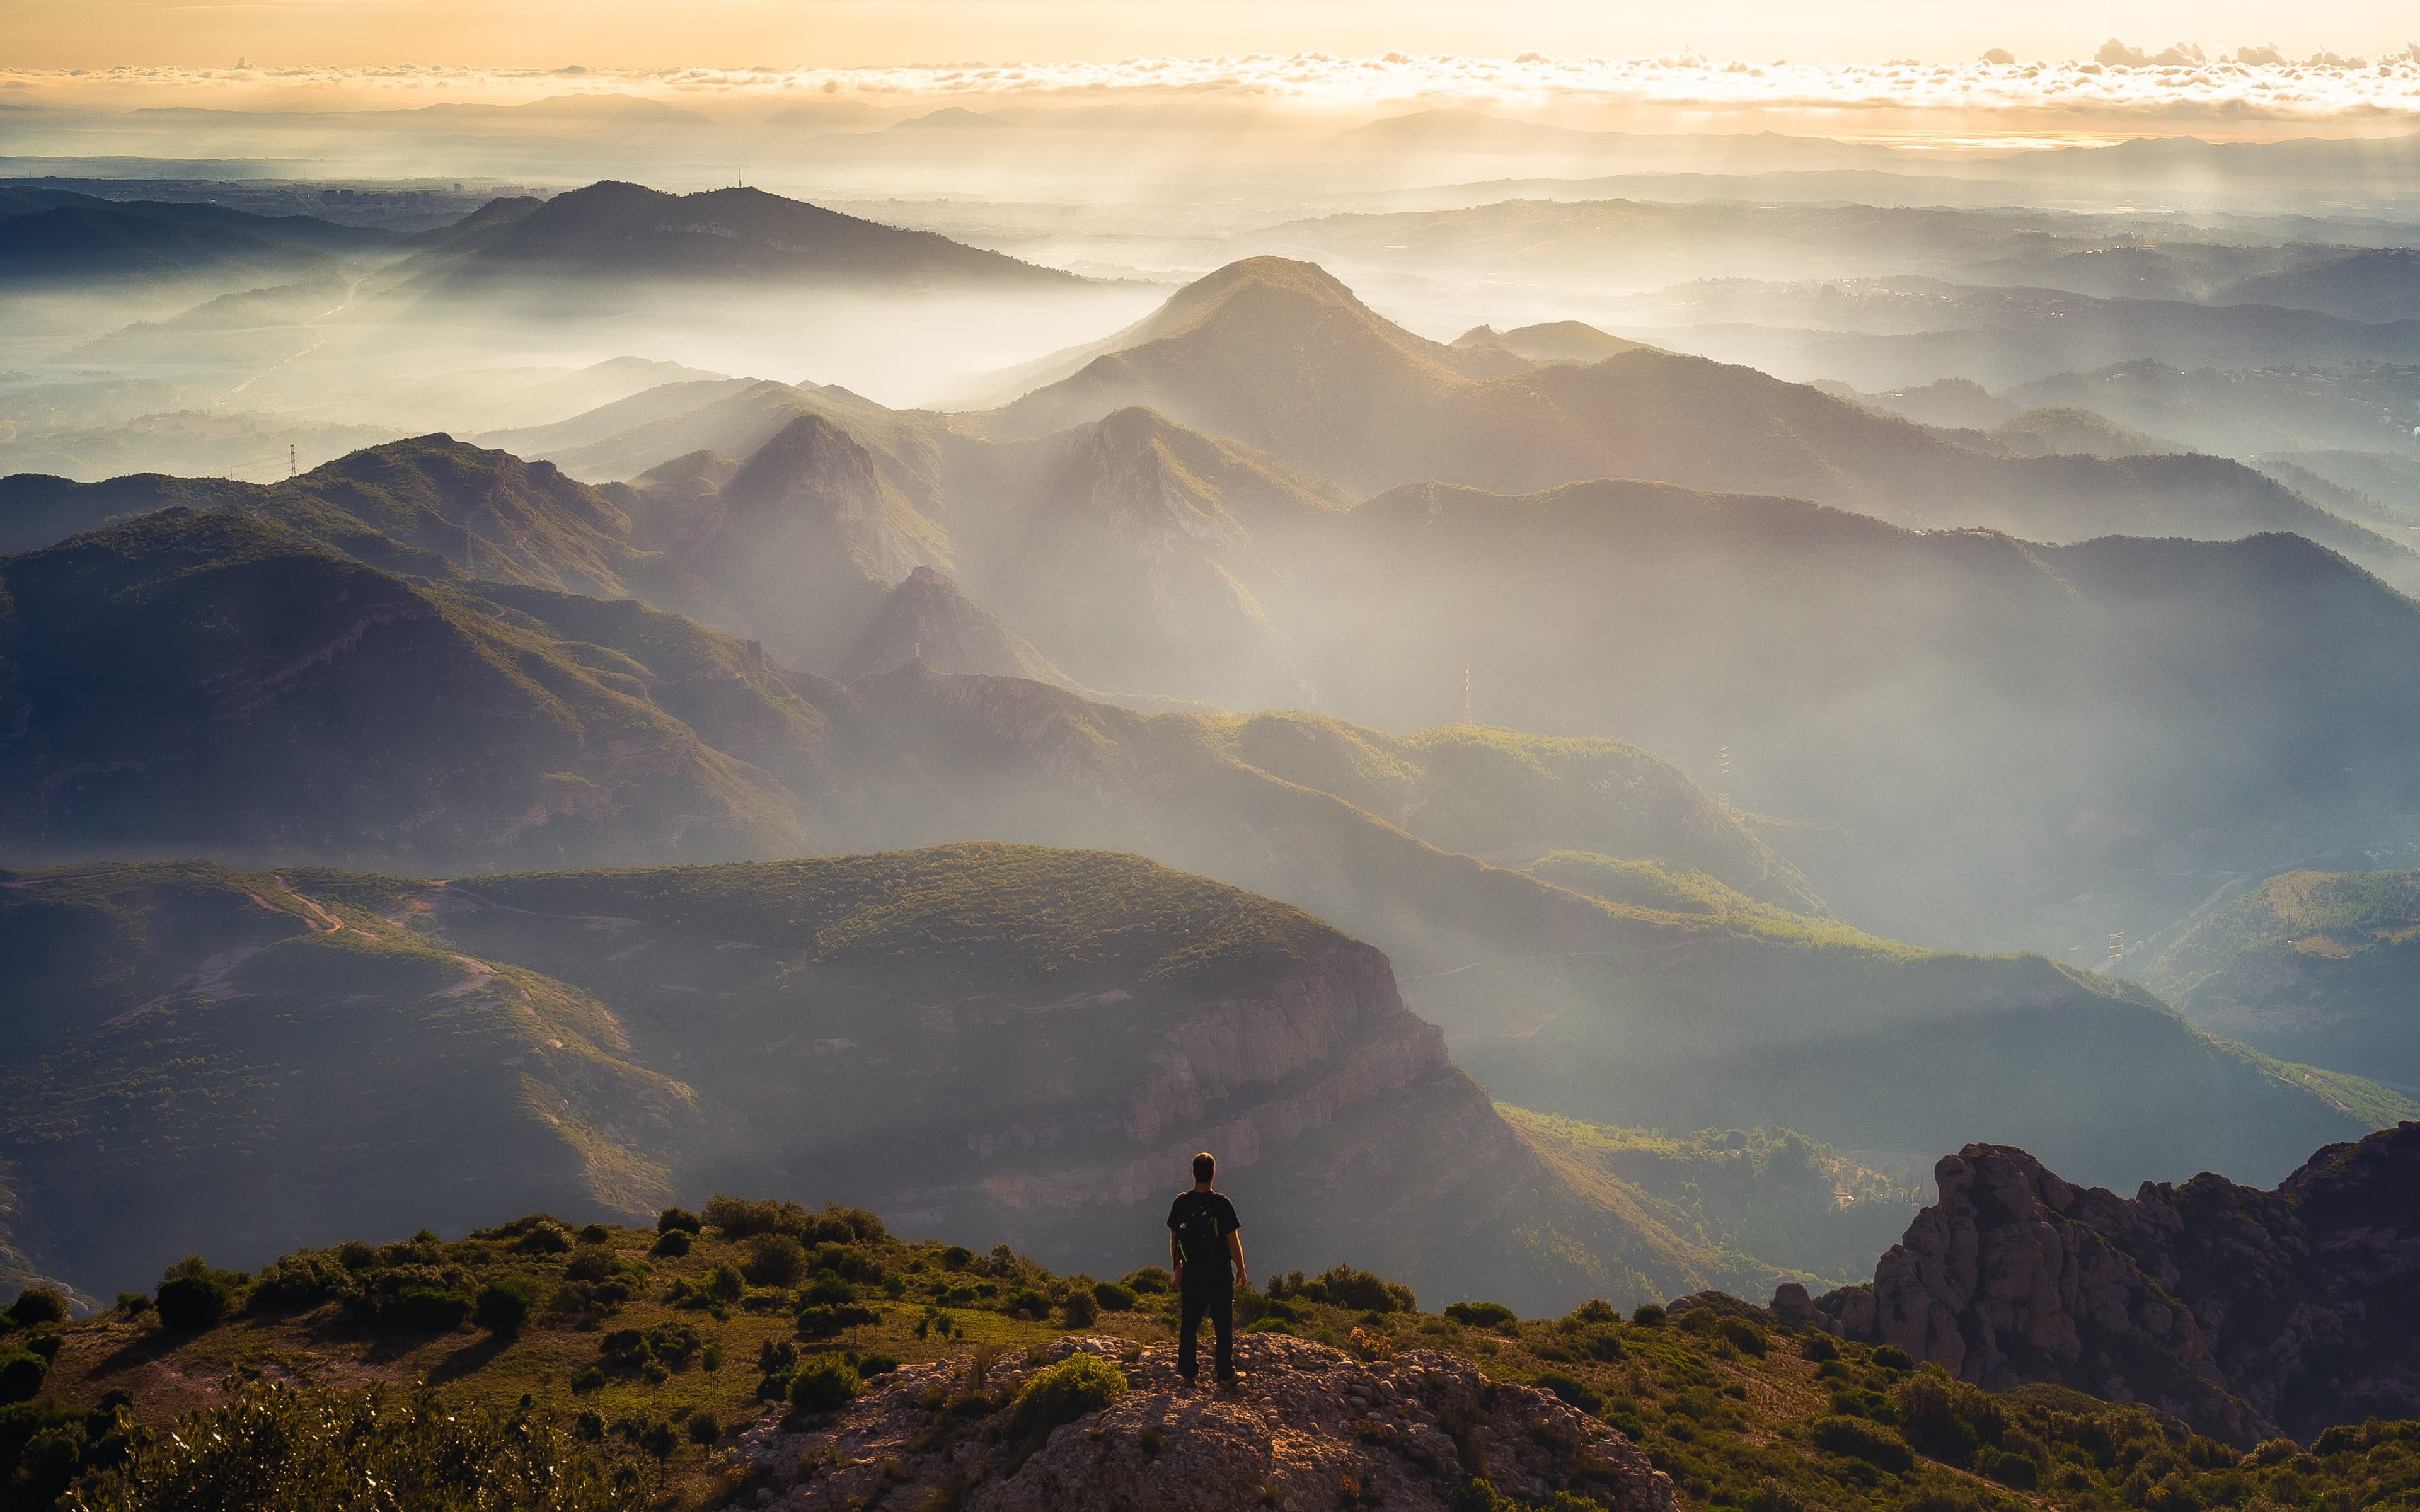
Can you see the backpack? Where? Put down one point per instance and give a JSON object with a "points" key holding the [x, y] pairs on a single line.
{"points": [[1198, 1235]]}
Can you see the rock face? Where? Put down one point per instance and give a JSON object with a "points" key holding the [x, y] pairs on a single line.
{"points": [[2243, 1312], [1311, 1428]]}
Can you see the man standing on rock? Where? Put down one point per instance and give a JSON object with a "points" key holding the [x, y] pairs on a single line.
{"points": [[1205, 1249]]}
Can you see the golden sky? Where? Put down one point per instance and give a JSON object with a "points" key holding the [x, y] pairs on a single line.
{"points": [[627, 34]]}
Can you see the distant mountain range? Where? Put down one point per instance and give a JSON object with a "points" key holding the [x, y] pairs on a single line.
{"points": [[1373, 405], [190, 681], [616, 232]]}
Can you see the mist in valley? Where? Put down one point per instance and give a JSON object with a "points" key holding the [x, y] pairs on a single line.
{"points": [[1585, 667]]}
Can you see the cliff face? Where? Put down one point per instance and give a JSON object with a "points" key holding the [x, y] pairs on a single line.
{"points": [[2243, 1312]]}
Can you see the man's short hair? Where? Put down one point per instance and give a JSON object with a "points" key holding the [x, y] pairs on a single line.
{"points": [[1205, 1165]]}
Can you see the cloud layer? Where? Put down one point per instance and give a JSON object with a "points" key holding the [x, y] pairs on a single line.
{"points": [[2123, 82]]}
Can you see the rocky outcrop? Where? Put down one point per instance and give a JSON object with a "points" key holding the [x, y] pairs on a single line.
{"points": [[2243, 1312], [1311, 1428]]}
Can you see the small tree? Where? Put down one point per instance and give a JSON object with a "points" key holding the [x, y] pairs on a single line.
{"points": [[36, 1305], [190, 1303], [827, 1383], [504, 1306]]}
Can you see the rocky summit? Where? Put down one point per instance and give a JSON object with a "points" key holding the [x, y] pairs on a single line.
{"points": [[2244, 1311], [1311, 1427]]}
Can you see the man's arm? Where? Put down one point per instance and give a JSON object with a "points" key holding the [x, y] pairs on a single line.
{"points": [[1176, 1261], [1236, 1252]]}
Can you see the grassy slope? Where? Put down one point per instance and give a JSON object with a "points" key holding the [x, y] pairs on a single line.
{"points": [[1723, 1397], [2309, 965]]}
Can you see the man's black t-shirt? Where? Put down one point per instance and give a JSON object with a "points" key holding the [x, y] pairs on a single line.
{"points": [[1201, 1221]]}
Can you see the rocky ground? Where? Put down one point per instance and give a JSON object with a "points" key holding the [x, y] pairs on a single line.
{"points": [[1311, 1427]]}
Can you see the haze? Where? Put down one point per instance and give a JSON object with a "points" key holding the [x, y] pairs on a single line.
{"points": [[1585, 638]]}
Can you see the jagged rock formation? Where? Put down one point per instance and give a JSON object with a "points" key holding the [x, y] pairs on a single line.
{"points": [[2241, 1311], [1313, 1427]]}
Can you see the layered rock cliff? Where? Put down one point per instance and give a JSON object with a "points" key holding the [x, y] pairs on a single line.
{"points": [[2244, 1311]]}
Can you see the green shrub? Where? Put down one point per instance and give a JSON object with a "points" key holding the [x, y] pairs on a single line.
{"points": [[1114, 1296], [595, 1234], [1742, 1334], [956, 1258], [671, 1244], [1150, 1281], [726, 1284], [703, 1426], [1079, 1310], [776, 1261], [1854, 1438], [276, 1449], [1481, 1313], [134, 1304], [1646, 1314], [503, 1305], [875, 1365], [22, 1373], [1027, 1301], [816, 1322], [678, 1220], [545, 1237], [1818, 1347], [1891, 1357], [189, 1304], [1078, 1386], [587, 1379], [831, 1291], [824, 1385], [426, 1310], [1342, 1286], [36, 1305], [300, 1280], [1573, 1390]]}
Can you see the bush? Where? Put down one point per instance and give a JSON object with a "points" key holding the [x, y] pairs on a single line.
{"points": [[671, 1244], [678, 1220], [1890, 1356], [1854, 1438], [1481, 1313], [1341, 1286], [822, 1323], [302, 1280], [703, 1426], [1026, 1301], [1573, 1390], [592, 1262], [830, 1291], [776, 1261], [545, 1237], [1818, 1347], [588, 1380], [1079, 1309], [1114, 1296], [503, 1306], [1078, 1386], [36, 1305], [1150, 1281], [726, 1284], [875, 1365], [189, 1304], [595, 1234], [21, 1376], [275, 1446], [1646, 1314], [824, 1385], [426, 1310], [134, 1304], [1742, 1334]]}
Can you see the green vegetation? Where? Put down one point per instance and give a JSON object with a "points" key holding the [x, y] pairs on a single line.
{"points": [[2307, 967], [1078, 1386], [620, 1395]]}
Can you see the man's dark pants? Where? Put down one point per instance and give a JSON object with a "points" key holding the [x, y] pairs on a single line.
{"points": [[1219, 1308]]}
